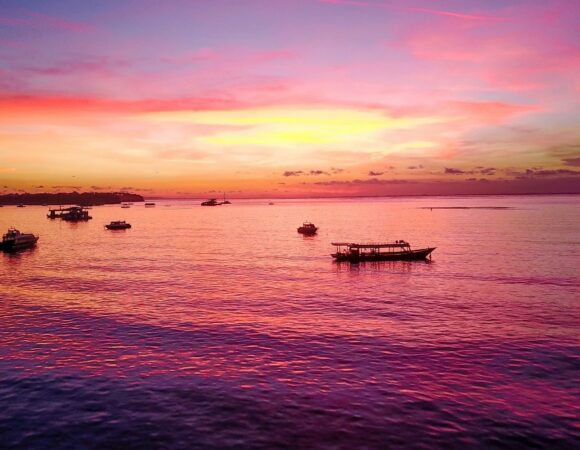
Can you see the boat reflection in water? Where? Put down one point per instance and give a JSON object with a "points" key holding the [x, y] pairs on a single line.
{"points": [[393, 267], [397, 251]]}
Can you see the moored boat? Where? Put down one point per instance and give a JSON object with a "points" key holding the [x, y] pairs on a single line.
{"points": [[118, 225], [14, 240], [308, 228], [396, 251], [210, 202], [149, 205], [72, 214], [224, 201]]}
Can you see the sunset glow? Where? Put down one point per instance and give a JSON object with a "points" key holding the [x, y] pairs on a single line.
{"points": [[285, 98]]}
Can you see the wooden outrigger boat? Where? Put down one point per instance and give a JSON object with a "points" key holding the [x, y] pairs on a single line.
{"points": [[397, 251]]}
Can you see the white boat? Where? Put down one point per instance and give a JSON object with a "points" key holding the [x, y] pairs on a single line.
{"points": [[14, 240]]}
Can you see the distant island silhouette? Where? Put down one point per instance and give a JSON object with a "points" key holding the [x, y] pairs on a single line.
{"points": [[70, 198]]}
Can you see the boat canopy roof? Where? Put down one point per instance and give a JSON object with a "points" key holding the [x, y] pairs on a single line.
{"points": [[398, 244]]}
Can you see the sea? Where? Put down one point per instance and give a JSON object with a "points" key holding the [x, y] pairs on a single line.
{"points": [[223, 328]]}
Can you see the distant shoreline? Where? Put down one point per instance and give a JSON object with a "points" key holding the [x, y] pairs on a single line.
{"points": [[70, 198]]}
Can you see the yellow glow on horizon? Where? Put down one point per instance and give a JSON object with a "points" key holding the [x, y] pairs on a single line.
{"points": [[293, 125]]}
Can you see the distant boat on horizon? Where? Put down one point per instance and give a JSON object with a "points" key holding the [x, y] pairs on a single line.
{"points": [[149, 205], [210, 202], [225, 202]]}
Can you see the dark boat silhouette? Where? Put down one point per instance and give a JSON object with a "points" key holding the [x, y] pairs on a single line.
{"points": [[118, 225], [397, 251], [14, 240], [308, 229], [72, 214], [210, 202], [224, 201]]}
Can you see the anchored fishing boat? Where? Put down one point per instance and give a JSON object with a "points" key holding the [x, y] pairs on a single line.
{"points": [[396, 251], [308, 228], [118, 225], [14, 240]]}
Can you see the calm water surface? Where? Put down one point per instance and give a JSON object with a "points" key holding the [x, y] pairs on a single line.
{"points": [[223, 328]]}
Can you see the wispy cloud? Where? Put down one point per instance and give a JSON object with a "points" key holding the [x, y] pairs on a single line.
{"points": [[29, 19], [409, 9]]}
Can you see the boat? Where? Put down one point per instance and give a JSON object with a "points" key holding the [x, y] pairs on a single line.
{"points": [[149, 204], [76, 214], [225, 202], [396, 251], [21, 206], [308, 229], [125, 206], [72, 214], [118, 225], [210, 202], [14, 240]]}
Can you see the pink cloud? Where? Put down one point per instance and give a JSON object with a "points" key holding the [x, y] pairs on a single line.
{"points": [[512, 56], [490, 112]]}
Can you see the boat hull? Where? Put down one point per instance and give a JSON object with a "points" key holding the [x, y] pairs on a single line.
{"points": [[13, 246], [113, 227], [413, 255]]}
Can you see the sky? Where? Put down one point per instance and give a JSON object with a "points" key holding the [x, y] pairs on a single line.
{"points": [[290, 98]]}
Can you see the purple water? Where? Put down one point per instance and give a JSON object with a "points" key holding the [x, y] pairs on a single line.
{"points": [[224, 328]]}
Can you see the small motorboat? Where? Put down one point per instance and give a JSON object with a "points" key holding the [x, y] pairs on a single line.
{"points": [[21, 206], [395, 251], [14, 240], [149, 205], [125, 206], [308, 229], [118, 225]]}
